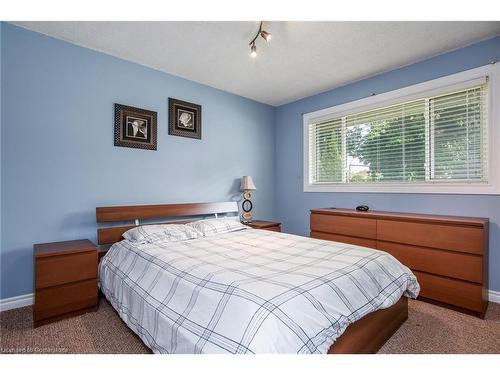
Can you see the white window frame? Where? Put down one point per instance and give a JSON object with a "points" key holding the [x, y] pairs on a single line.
{"points": [[429, 88]]}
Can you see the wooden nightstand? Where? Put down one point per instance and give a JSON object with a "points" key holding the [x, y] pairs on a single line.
{"points": [[267, 225], [65, 280]]}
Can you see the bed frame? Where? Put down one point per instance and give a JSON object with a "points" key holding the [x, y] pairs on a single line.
{"points": [[110, 235], [364, 336]]}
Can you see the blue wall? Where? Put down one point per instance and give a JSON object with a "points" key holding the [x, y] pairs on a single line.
{"points": [[58, 161], [1, 89], [292, 204], [58, 158]]}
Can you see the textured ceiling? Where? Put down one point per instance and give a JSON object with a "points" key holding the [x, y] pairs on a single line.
{"points": [[302, 59]]}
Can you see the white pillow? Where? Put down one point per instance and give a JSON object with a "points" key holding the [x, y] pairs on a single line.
{"points": [[209, 227], [155, 232]]}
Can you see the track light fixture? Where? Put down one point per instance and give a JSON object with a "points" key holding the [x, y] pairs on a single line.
{"points": [[253, 50], [264, 34]]}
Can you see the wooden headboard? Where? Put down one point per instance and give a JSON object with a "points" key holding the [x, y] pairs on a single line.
{"points": [[110, 235]]}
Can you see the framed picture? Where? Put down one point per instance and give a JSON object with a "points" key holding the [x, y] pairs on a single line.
{"points": [[135, 127], [184, 119]]}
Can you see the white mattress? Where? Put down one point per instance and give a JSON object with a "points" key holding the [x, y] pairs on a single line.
{"points": [[250, 291]]}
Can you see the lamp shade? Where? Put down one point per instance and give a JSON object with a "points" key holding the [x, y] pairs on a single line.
{"points": [[247, 183]]}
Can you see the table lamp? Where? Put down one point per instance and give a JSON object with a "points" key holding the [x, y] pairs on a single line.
{"points": [[247, 186]]}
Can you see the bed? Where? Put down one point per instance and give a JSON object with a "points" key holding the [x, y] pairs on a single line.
{"points": [[248, 290]]}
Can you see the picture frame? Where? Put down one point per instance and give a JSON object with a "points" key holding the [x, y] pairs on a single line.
{"points": [[135, 127], [184, 118]]}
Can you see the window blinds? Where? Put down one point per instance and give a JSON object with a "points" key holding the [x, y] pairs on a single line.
{"points": [[434, 139]]}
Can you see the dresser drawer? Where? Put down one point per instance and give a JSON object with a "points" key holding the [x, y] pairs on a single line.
{"points": [[449, 237], [344, 225], [454, 292], [457, 265], [65, 268], [58, 300], [345, 239]]}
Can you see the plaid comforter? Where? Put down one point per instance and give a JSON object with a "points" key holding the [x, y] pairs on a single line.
{"points": [[250, 291]]}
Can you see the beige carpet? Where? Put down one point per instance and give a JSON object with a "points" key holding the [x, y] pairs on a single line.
{"points": [[429, 329]]}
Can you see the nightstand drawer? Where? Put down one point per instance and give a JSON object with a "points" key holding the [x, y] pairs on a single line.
{"points": [[275, 228], [59, 300], [65, 268]]}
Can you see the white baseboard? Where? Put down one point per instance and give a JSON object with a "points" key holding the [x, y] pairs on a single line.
{"points": [[494, 296], [16, 302], [27, 300]]}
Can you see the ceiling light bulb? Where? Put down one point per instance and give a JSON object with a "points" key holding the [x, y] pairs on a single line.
{"points": [[265, 35], [253, 50]]}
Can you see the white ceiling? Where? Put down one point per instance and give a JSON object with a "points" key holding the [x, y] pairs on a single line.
{"points": [[302, 59]]}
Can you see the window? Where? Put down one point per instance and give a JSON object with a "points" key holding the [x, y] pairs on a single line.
{"points": [[439, 138], [436, 138]]}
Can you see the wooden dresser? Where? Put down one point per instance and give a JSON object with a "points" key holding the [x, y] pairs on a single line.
{"points": [[448, 254], [65, 280]]}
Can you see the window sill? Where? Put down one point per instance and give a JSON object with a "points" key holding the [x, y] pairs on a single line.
{"points": [[429, 188]]}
